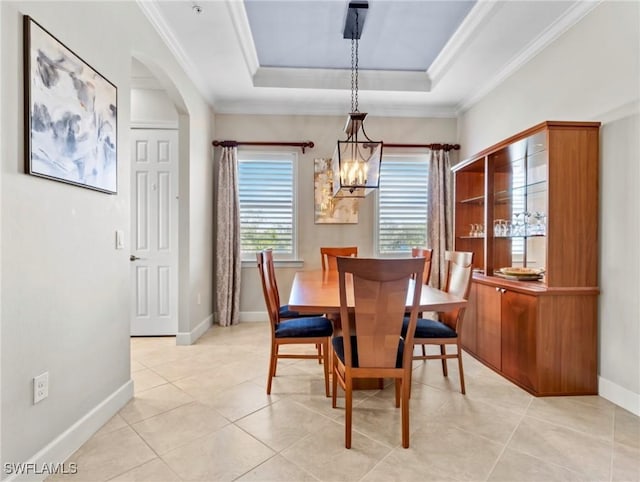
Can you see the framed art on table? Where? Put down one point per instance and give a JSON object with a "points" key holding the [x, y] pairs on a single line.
{"points": [[70, 115]]}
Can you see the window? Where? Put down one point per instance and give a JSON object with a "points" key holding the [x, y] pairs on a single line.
{"points": [[402, 204], [266, 185]]}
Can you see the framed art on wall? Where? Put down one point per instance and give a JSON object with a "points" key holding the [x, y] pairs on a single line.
{"points": [[330, 210], [70, 115]]}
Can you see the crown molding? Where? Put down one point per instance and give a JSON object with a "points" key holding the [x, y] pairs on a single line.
{"points": [[150, 10], [241, 25], [251, 107], [572, 16], [340, 79], [461, 38]]}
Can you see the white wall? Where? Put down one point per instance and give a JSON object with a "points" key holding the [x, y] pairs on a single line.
{"points": [[592, 72], [152, 107], [324, 131], [65, 289]]}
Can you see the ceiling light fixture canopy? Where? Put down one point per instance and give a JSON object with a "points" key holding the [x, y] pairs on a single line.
{"points": [[356, 161]]}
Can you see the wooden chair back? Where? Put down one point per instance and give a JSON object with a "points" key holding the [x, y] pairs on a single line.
{"points": [[269, 287], [425, 253], [458, 282], [380, 288], [267, 256], [330, 254]]}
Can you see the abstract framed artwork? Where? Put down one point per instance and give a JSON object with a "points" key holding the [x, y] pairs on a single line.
{"points": [[330, 210], [70, 115]]}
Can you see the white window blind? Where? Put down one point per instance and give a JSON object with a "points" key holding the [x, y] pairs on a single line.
{"points": [[266, 185], [518, 207], [402, 204]]}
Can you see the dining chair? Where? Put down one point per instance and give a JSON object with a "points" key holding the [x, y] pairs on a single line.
{"points": [[310, 330], [286, 313], [446, 330], [284, 310], [374, 347], [330, 254]]}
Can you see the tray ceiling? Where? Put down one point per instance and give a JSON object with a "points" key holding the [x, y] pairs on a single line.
{"points": [[417, 58]]}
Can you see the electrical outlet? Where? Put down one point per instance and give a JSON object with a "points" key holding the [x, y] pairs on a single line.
{"points": [[40, 387], [198, 299]]}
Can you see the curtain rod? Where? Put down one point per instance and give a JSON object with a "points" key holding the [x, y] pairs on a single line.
{"points": [[309, 144], [302, 145], [433, 147]]}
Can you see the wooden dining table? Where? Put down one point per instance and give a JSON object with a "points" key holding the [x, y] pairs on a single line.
{"points": [[318, 292]]}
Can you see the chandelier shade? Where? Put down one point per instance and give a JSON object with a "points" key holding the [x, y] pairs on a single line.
{"points": [[356, 161]]}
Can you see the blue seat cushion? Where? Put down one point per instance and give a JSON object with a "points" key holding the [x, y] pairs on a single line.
{"points": [[426, 328], [304, 328], [338, 347], [285, 312]]}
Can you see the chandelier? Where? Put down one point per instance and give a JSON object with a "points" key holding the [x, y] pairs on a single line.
{"points": [[356, 160]]}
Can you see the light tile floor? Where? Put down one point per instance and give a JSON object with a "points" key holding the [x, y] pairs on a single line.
{"points": [[201, 413]]}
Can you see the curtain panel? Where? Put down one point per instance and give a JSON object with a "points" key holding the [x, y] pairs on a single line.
{"points": [[227, 248], [440, 214]]}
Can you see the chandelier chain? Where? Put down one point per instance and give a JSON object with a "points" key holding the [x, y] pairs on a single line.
{"points": [[357, 76], [354, 67], [353, 75]]}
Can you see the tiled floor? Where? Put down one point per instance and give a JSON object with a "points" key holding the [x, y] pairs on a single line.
{"points": [[201, 413]]}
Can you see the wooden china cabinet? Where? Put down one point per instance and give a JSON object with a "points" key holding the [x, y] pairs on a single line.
{"points": [[531, 201]]}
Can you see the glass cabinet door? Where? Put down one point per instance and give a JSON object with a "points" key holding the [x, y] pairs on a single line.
{"points": [[519, 204]]}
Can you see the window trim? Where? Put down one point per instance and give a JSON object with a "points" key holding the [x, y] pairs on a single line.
{"points": [[248, 258], [404, 157]]}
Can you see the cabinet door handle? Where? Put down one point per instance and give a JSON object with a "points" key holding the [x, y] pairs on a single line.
{"points": [[497, 289], [502, 290]]}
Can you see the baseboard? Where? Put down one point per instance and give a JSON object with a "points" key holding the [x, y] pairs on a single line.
{"points": [[75, 436], [619, 395], [189, 338], [253, 316]]}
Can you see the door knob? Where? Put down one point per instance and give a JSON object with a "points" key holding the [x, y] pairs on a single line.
{"points": [[133, 258]]}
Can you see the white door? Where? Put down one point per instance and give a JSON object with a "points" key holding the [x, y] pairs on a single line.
{"points": [[154, 232]]}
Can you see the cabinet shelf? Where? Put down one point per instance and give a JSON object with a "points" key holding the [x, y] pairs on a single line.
{"points": [[521, 236], [503, 196], [473, 200]]}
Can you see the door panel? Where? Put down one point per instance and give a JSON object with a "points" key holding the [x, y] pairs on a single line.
{"points": [[519, 337], [154, 218], [489, 325]]}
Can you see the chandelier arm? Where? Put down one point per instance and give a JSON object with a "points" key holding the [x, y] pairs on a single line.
{"points": [[364, 133]]}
